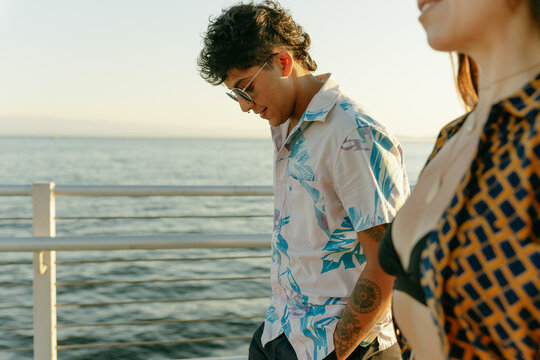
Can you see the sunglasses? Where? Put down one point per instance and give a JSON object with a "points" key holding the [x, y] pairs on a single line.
{"points": [[235, 93]]}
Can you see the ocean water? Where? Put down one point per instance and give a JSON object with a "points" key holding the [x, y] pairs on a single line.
{"points": [[111, 161]]}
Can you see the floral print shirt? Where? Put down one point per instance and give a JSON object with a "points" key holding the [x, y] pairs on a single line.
{"points": [[337, 173]]}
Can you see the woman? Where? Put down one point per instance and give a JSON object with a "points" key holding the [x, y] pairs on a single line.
{"points": [[465, 248]]}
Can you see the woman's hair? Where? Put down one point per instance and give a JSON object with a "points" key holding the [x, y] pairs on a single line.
{"points": [[467, 70], [245, 35], [467, 80]]}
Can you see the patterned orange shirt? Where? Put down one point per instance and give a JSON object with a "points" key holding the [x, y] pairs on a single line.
{"points": [[480, 269]]}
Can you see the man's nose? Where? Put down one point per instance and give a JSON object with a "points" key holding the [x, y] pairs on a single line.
{"points": [[246, 105]]}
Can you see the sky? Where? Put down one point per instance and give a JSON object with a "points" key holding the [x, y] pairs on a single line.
{"points": [[128, 67]]}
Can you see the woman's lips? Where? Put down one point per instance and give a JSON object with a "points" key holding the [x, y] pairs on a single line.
{"points": [[424, 5]]}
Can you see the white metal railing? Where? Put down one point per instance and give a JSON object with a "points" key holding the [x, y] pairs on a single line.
{"points": [[137, 190], [44, 244]]}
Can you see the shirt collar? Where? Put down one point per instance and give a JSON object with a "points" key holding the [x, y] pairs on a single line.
{"points": [[323, 101], [524, 103], [319, 106]]}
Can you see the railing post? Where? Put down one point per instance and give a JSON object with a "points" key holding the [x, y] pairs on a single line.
{"points": [[43, 209]]}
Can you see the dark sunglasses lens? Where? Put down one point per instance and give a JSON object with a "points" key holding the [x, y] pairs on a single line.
{"points": [[241, 93], [231, 95]]}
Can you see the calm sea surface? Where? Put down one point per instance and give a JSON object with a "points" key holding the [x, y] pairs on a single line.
{"points": [[92, 161]]}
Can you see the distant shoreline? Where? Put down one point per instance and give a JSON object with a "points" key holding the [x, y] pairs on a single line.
{"points": [[401, 138]]}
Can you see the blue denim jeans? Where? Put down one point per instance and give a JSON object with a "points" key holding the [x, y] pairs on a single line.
{"points": [[281, 349]]}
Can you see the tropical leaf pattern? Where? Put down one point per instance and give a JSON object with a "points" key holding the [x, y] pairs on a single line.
{"points": [[315, 249], [341, 248]]}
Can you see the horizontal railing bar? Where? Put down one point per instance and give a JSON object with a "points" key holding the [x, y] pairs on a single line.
{"points": [[15, 329], [15, 190], [138, 302], [10, 285], [9, 263], [143, 190], [158, 217], [184, 241], [152, 190], [143, 217], [146, 343], [160, 301], [158, 259], [16, 307], [158, 322], [16, 350], [133, 282], [95, 283], [140, 323]]}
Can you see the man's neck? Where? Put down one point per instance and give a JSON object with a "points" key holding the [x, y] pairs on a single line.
{"points": [[306, 86]]}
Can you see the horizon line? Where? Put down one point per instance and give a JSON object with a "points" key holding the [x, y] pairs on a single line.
{"points": [[184, 137]]}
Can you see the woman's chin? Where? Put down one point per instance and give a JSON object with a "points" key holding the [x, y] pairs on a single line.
{"points": [[438, 43]]}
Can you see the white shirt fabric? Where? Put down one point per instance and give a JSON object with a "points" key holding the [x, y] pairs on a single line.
{"points": [[339, 172]]}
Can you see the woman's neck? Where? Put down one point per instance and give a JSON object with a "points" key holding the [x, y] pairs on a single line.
{"points": [[509, 59]]}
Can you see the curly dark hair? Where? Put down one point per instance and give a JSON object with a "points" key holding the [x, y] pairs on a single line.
{"points": [[245, 35]]}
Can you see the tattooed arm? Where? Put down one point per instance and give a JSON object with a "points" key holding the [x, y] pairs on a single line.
{"points": [[370, 298]]}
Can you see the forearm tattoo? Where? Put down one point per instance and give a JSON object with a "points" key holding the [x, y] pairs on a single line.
{"points": [[366, 297], [377, 232], [346, 334]]}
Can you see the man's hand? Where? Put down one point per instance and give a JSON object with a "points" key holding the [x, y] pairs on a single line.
{"points": [[369, 300]]}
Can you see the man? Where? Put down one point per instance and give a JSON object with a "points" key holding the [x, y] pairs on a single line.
{"points": [[339, 179]]}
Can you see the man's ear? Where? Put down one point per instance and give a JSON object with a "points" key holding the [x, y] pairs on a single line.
{"points": [[286, 62]]}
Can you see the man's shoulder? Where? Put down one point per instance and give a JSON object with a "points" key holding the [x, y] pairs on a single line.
{"points": [[349, 116]]}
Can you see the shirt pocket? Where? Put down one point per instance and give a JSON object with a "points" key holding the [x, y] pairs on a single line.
{"points": [[304, 204]]}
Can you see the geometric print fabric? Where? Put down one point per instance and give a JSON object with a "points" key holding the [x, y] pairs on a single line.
{"points": [[481, 265]]}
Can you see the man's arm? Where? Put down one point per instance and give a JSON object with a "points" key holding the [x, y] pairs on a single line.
{"points": [[369, 300]]}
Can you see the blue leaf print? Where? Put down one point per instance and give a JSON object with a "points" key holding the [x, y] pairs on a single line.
{"points": [[317, 114], [379, 162], [339, 249], [346, 105], [285, 321], [280, 244], [280, 247], [329, 265], [385, 174], [322, 220], [290, 279], [272, 314], [338, 245], [361, 221], [278, 222], [316, 331], [299, 169], [363, 119]]}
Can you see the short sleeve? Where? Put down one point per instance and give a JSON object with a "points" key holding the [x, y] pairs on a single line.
{"points": [[370, 178]]}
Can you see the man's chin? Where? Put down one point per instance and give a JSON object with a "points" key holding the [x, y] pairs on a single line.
{"points": [[276, 121]]}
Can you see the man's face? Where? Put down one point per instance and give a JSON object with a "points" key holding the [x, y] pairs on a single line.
{"points": [[273, 98]]}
